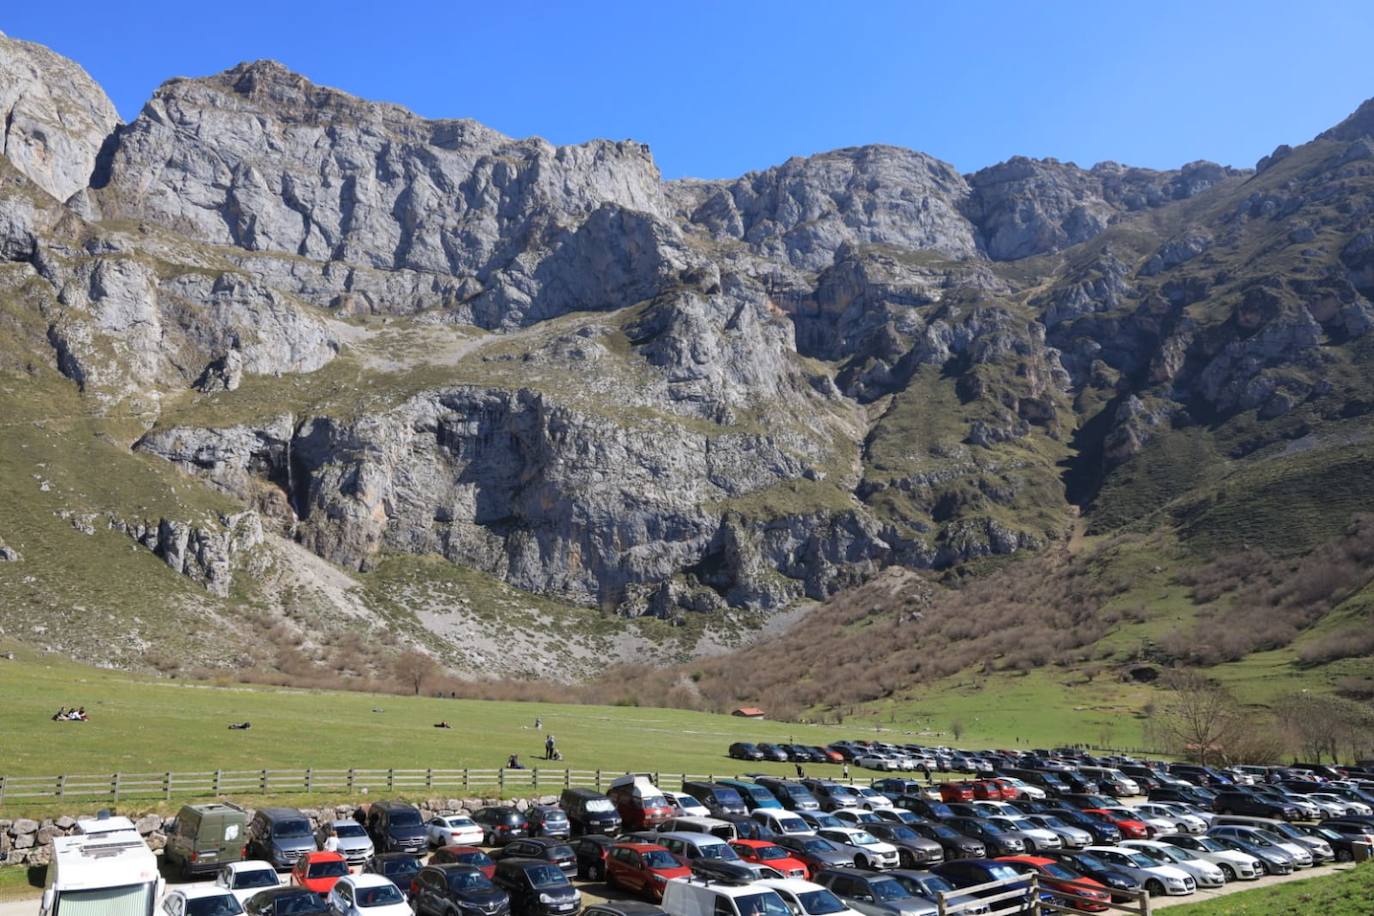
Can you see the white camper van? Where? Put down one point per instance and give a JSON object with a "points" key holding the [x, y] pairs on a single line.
{"points": [[101, 872]]}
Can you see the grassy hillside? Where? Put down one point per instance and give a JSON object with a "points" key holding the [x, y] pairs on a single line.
{"points": [[1349, 893]]}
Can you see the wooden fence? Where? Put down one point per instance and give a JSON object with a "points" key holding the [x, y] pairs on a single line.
{"points": [[464, 783], [1030, 895]]}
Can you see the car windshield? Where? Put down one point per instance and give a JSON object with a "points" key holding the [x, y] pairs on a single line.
{"points": [[400, 867], [460, 879], [1055, 870], [335, 868], [794, 824], [405, 818], [888, 889], [728, 796], [927, 885], [1139, 858], [901, 832], [1050, 820], [768, 853], [546, 876], [990, 828], [552, 816], [1089, 861], [1175, 853], [255, 877], [999, 872], [818, 844], [380, 895], [718, 851], [798, 792], [476, 858], [765, 904], [559, 852], [1209, 844], [294, 904], [1325, 833], [760, 794], [600, 806], [289, 829], [349, 829], [820, 902], [688, 801], [1287, 830], [215, 905], [653, 801], [461, 822], [826, 820], [660, 858]]}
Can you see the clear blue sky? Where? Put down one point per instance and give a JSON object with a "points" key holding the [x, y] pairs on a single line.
{"points": [[720, 88]]}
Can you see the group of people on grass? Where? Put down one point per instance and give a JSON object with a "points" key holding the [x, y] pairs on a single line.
{"points": [[76, 714]]}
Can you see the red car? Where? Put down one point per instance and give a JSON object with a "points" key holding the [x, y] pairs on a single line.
{"points": [[1057, 877], [1131, 829], [988, 790], [464, 855], [956, 791], [832, 755], [642, 868], [319, 871], [1009, 791], [774, 856]]}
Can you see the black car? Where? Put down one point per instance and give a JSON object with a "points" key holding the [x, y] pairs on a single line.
{"points": [[537, 888], [913, 849], [589, 811], [1078, 783], [396, 827], [743, 750], [954, 843], [1082, 800], [624, 908], [548, 820], [817, 852], [500, 824], [772, 752], [1252, 804], [873, 891], [286, 901], [793, 795], [456, 890], [397, 867], [545, 849], [1193, 795], [1102, 831], [718, 798], [919, 804], [998, 842], [590, 852], [1342, 844], [746, 828]]}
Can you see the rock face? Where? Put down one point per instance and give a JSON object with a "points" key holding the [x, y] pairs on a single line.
{"points": [[375, 333]]}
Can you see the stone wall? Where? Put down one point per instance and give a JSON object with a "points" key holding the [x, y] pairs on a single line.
{"points": [[28, 841]]}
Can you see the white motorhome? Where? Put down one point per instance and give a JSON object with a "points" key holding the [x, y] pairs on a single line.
{"points": [[101, 872]]}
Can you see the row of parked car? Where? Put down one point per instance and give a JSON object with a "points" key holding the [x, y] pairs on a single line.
{"points": [[784, 847]]}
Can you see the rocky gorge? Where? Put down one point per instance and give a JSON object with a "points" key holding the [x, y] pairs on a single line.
{"points": [[306, 318]]}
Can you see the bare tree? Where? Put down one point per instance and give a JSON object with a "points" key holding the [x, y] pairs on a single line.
{"points": [[414, 669], [1322, 726], [1197, 718]]}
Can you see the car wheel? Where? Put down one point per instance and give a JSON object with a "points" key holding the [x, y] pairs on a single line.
{"points": [[1154, 888], [1030, 847], [907, 859], [1228, 873], [597, 872], [1343, 855]]}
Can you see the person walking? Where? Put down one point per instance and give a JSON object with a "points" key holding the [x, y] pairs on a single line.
{"points": [[845, 771], [801, 774], [538, 723], [925, 768]]}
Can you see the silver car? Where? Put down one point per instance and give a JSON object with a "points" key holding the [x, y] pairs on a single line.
{"points": [[1204, 873], [1070, 836], [348, 839]]}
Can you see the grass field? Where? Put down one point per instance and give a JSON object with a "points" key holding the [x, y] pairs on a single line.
{"points": [[1348, 894]]}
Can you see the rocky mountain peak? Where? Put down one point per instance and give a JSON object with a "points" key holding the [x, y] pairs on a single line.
{"points": [[53, 117], [1358, 125]]}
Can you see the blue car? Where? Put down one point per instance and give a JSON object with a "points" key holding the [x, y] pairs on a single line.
{"points": [[1102, 831], [973, 872]]}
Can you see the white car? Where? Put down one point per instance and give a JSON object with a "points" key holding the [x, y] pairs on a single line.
{"points": [[244, 879], [1234, 864], [201, 901], [1167, 824], [1351, 807], [367, 895], [686, 805], [453, 830], [1204, 873], [1157, 877], [876, 853], [1182, 823], [783, 823], [856, 817], [1038, 838], [804, 898], [873, 761], [872, 799]]}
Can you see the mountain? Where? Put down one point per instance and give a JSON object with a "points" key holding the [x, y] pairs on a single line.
{"points": [[285, 363]]}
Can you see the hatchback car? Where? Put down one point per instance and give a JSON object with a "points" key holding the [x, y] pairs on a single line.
{"points": [[548, 821], [874, 895], [397, 867], [743, 750], [872, 852], [913, 849], [591, 853], [367, 895], [537, 888], [453, 830], [772, 855], [444, 890], [544, 849], [317, 871], [643, 869], [500, 824]]}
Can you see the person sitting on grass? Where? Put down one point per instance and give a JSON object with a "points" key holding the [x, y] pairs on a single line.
{"points": [[513, 762]]}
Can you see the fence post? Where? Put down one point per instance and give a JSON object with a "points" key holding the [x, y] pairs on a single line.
{"points": [[391, 779], [114, 786], [465, 781], [167, 786], [309, 780], [535, 778], [501, 782], [219, 779], [2, 790], [61, 785], [429, 778], [567, 778], [350, 780], [262, 782], [598, 779]]}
